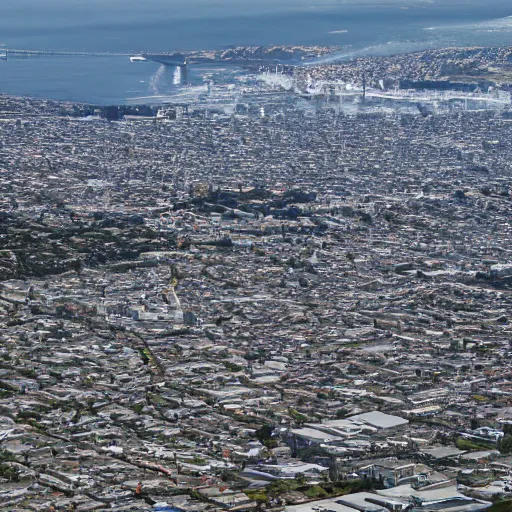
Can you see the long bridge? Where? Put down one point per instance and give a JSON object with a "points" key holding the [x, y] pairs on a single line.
{"points": [[15, 53], [171, 59]]}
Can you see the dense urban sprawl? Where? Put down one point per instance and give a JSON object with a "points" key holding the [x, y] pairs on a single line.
{"points": [[280, 307]]}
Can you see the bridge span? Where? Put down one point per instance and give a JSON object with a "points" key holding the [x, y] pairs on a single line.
{"points": [[170, 59], [16, 53]]}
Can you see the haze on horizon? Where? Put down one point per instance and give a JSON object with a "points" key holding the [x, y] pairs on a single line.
{"points": [[164, 25], [29, 10]]}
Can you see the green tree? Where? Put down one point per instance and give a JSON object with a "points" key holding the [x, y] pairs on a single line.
{"points": [[505, 445]]}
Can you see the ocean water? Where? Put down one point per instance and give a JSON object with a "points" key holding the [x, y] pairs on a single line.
{"points": [[360, 27]]}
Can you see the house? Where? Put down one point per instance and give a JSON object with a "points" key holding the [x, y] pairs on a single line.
{"points": [[388, 471]]}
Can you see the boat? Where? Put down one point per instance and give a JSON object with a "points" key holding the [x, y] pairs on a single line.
{"points": [[137, 58]]}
